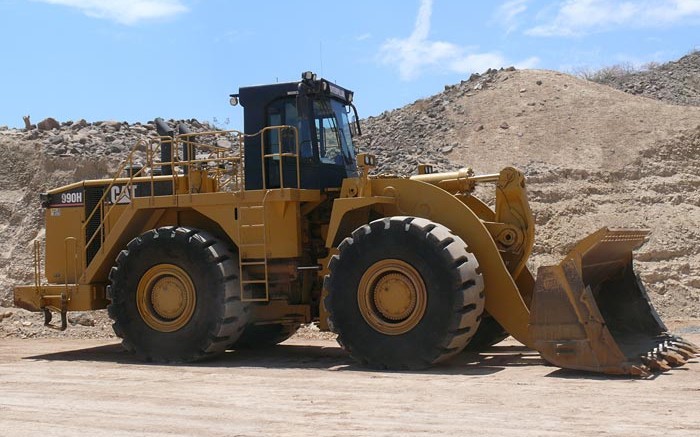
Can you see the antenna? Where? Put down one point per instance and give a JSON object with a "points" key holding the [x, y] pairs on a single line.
{"points": [[320, 54]]}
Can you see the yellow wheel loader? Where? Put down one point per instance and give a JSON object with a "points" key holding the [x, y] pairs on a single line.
{"points": [[210, 241]]}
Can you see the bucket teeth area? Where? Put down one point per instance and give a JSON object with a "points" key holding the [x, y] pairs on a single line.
{"points": [[686, 354], [670, 352], [679, 342], [655, 364]]}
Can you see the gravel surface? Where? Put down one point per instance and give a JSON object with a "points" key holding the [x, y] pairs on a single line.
{"points": [[310, 387]]}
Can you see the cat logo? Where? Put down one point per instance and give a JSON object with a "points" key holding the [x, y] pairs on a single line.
{"points": [[120, 194]]}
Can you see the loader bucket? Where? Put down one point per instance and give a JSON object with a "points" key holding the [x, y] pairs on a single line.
{"points": [[591, 312]]}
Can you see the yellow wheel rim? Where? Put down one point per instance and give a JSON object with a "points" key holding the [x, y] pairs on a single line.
{"points": [[392, 297], [166, 297]]}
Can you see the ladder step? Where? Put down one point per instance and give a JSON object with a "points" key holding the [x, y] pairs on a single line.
{"points": [[253, 263], [251, 215], [251, 227], [53, 296], [283, 155], [254, 299]]}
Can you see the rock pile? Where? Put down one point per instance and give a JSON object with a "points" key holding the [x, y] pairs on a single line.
{"points": [[24, 324], [676, 82], [422, 130], [101, 138]]}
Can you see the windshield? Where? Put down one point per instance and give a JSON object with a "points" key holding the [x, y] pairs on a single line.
{"points": [[333, 132]]}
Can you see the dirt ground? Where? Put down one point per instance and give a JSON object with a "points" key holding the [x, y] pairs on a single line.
{"points": [[310, 387]]}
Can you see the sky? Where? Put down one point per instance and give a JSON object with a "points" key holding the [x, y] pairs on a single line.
{"points": [[135, 60]]}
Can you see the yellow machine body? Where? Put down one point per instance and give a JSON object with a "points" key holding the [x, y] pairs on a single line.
{"points": [[589, 313]]}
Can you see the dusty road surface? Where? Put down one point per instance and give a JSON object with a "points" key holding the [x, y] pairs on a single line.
{"points": [[310, 388]]}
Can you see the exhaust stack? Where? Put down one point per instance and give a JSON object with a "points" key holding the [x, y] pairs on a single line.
{"points": [[166, 145], [188, 151]]}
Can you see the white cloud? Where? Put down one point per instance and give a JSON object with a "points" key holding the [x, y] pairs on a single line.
{"points": [[125, 11], [416, 53], [508, 13], [579, 17]]}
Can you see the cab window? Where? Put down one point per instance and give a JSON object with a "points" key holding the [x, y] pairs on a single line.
{"points": [[327, 133], [284, 112]]}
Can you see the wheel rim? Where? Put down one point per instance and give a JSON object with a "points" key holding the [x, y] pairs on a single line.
{"points": [[392, 297], [166, 297]]}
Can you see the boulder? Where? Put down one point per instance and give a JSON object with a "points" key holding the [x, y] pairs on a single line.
{"points": [[48, 124]]}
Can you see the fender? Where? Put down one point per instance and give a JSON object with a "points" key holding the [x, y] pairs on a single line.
{"points": [[395, 196]]}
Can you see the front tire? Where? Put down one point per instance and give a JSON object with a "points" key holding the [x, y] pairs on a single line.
{"points": [[175, 296], [403, 293], [489, 333]]}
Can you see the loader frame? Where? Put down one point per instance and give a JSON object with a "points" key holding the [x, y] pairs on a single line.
{"points": [[270, 238], [265, 225]]}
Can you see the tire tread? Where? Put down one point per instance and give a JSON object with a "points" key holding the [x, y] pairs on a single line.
{"points": [[232, 314], [467, 287]]}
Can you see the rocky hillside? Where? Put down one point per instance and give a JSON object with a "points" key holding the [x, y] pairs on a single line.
{"points": [[676, 82], [516, 117]]}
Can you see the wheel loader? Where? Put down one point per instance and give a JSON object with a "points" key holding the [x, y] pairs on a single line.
{"points": [[213, 241]]}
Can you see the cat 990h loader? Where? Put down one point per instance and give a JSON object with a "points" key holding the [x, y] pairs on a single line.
{"points": [[204, 242]]}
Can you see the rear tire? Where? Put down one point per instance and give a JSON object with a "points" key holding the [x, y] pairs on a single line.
{"points": [[263, 336], [403, 293], [175, 296]]}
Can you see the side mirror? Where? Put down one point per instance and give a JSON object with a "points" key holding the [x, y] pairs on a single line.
{"points": [[425, 169], [355, 124], [353, 128], [366, 161]]}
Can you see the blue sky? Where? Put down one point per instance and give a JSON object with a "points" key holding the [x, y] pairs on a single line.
{"points": [[140, 59]]}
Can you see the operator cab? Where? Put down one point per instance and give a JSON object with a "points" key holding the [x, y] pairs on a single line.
{"points": [[318, 109]]}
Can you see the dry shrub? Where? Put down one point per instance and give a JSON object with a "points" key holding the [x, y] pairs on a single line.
{"points": [[606, 75]]}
